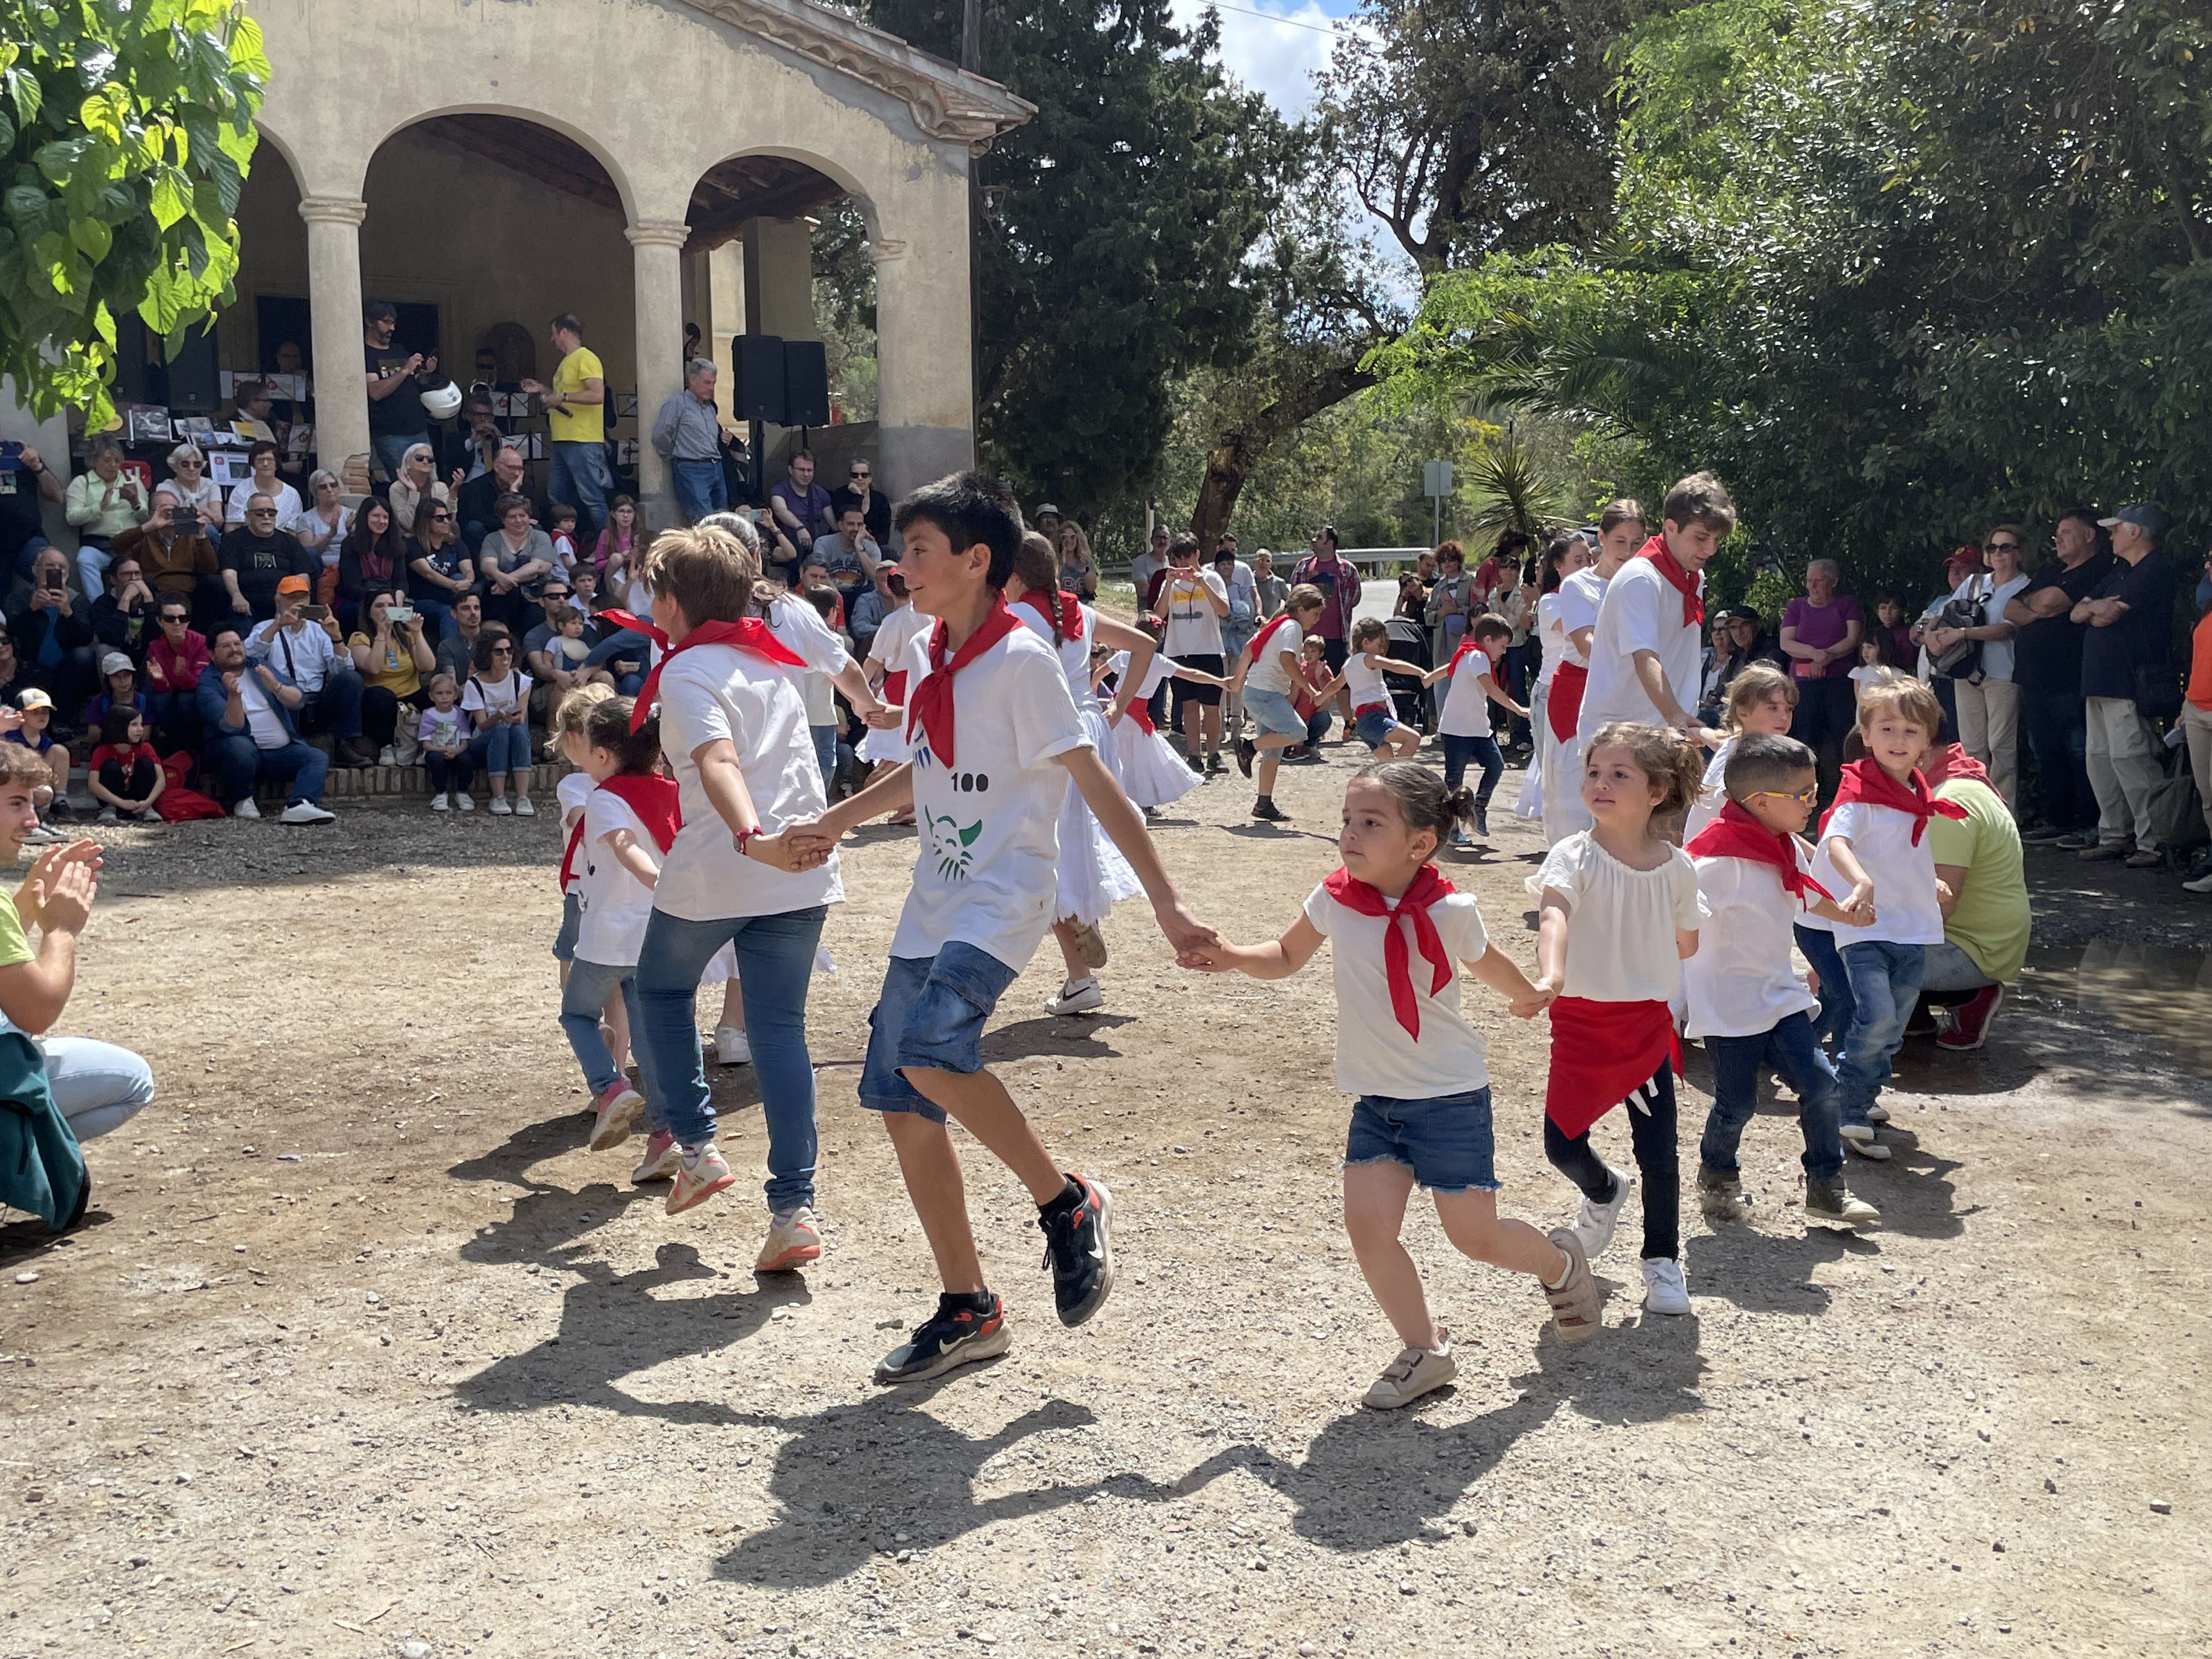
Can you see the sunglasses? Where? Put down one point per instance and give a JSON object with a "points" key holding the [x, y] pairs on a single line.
{"points": [[260, 512], [2004, 547], [502, 651], [441, 518], [555, 593], [861, 474], [1803, 797]]}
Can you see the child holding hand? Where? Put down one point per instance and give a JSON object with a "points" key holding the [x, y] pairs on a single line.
{"points": [[1416, 1064], [1464, 726], [1374, 717], [1760, 698]]}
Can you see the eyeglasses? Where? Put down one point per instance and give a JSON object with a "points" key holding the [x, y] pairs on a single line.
{"points": [[1803, 797]]}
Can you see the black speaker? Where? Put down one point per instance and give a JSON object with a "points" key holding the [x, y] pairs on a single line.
{"points": [[130, 365], [805, 383], [188, 382], [760, 394]]}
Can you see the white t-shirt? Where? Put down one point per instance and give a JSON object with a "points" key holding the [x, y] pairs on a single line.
{"points": [[1582, 596], [1367, 688], [1904, 875], [1156, 672], [1740, 982], [286, 497], [989, 824], [573, 791], [261, 720], [1712, 792], [1466, 705], [902, 646], [1266, 673], [1620, 933], [1193, 627], [616, 904], [1072, 650], [715, 692], [1552, 635], [799, 626], [1375, 1054], [1642, 612], [480, 692], [1863, 676]]}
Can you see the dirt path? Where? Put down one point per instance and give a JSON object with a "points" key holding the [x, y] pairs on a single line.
{"points": [[366, 1351]]}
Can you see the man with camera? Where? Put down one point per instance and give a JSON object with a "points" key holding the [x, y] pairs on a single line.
{"points": [[302, 643], [248, 711], [174, 555]]}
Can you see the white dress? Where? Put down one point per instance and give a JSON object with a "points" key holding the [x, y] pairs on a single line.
{"points": [[1152, 774], [902, 645], [1552, 635], [1092, 876], [1564, 812]]}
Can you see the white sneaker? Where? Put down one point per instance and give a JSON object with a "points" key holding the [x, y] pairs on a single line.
{"points": [[523, 809], [501, 807], [462, 800], [791, 1239], [246, 808], [1859, 1138], [441, 804], [1593, 1226], [107, 815], [1664, 1290], [303, 812], [1077, 996], [1878, 1113], [732, 1046], [386, 757]]}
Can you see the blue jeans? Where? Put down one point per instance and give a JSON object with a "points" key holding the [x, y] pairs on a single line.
{"points": [[825, 753], [1835, 1016], [1483, 751], [447, 776], [2058, 733], [238, 763], [499, 750], [701, 489], [1948, 969], [335, 708], [1885, 983], [97, 1085], [590, 984], [391, 448], [1791, 1049], [578, 475], [931, 1014], [175, 717], [630, 647], [775, 962]]}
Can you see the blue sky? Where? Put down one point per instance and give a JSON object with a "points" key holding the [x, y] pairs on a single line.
{"points": [[1275, 57]]}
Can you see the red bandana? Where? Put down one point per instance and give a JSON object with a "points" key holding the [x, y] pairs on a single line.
{"points": [[931, 705], [1427, 887], [1468, 648], [1864, 780], [1260, 640], [1141, 711], [1736, 834], [1070, 611], [1662, 558], [1600, 1052], [651, 796], [1563, 704], [1955, 762], [750, 635]]}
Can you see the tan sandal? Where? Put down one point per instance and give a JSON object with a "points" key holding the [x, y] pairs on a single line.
{"points": [[1578, 1304]]}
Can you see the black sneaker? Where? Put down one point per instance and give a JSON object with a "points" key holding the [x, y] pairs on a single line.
{"points": [[954, 1335], [1264, 808], [1246, 749], [1079, 1249], [1196, 762], [1214, 767], [1482, 822]]}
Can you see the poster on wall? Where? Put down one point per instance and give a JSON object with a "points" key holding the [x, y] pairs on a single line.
{"points": [[145, 423], [228, 468]]}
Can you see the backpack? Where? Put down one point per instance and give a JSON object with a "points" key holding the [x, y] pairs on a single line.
{"points": [[2177, 815], [1962, 661]]}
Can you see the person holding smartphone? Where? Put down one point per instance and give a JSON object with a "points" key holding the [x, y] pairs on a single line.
{"points": [[53, 635]]}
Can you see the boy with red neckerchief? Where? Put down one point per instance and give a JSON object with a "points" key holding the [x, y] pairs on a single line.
{"points": [[1647, 646], [1875, 843], [996, 741], [1746, 1004], [1399, 934]]}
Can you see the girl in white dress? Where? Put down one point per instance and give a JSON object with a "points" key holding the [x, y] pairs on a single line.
{"points": [[1566, 555], [1152, 774]]}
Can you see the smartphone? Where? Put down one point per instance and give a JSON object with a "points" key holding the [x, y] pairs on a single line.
{"points": [[55, 582], [316, 612], [11, 455], [399, 613]]}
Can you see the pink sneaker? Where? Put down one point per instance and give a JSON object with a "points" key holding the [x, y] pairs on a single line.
{"points": [[699, 1180], [660, 1160], [613, 1113], [1969, 1021]]}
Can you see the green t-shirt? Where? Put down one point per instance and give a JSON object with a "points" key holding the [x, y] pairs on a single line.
{"points": [[14, 946], [1991, 921]]}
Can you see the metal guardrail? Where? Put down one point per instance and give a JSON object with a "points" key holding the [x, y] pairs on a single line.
{"points": [[1369, 559]]}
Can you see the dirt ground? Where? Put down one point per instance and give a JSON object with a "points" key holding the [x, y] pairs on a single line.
{"points": [[364, 1353]]}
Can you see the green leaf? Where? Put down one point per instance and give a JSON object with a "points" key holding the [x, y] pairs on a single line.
{"points": [[92, 238]]}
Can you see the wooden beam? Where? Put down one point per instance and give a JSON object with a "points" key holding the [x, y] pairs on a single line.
{"points": [[543, 155], [786, 201]]}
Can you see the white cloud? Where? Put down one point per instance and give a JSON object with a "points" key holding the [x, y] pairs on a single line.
{"points": [[1278, 58]]}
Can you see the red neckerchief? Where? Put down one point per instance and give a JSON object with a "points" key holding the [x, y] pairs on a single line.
{"points": [[1955, 762], [930, 706], [1427, 887], [651, 797], [1601, 1053], [1663, 560], [1466, 648], [1736, 834], [1864, 780], [752, 635], [1563, 702], [1070, 611], [1260, 640]]}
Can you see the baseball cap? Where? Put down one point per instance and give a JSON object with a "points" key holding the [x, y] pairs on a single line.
{"points": [[31, 697], [1966, 558], [1743, 613], [293, 585], [2147, 514], [116, 663]]}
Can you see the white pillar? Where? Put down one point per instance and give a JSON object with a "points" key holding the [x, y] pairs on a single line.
{"points": [[658, 262], [334, 305], [925, 377]]}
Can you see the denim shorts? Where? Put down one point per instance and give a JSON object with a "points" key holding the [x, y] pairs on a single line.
{"points": [[931, 1013], [1445, 1141], [1374, 726], [572, 918], [1274, 713]]}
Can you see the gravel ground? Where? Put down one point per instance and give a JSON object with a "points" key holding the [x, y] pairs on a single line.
{"points": [[364, 1354]]}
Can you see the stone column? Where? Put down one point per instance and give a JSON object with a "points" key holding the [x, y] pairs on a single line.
{"points": [[657, 276], [925, 375], [334, 306]]}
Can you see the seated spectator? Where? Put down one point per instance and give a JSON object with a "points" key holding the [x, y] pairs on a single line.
{"points": [[1986, 916], [875, 505], [246, 711], [26, 481], [470, 451], [373, 558], [886, 594], [53, 642], [497, 701], [100, 504], [96, 1086], [851, 556], [392, 657], [584, 595], [457, 652], [176, 657], [418, 482], [561, 518], [554, 651], [121, 692], [477, 504], [255, 558], [321, 530], [308, 658], [514, 560], [174, 555], [779, 552], [440, 569], [123, 616], [261, 457], [11, 673], [621, 545], [443, 735], [125, 775], [801, 506], [188, 484], [30, 730]]}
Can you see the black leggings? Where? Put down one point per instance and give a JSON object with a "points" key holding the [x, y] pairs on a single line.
{"points": [[133, 786], [1652, 1136]]}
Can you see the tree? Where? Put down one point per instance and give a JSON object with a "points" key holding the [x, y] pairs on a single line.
{"points": [[127, 128]]}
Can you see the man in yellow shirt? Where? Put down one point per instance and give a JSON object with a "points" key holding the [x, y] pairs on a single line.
{"points": [[575, 415]]}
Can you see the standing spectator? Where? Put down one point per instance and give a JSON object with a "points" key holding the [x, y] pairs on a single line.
{"points": [[392, 657], [373, 556], [2047, 667], [438, 568], [1145, 568], [801, 506], [122, 616], [875, 507], [1987, 701], [1739, 638], [1889, 616], [175, 560], [1237, 627], [443, 737], [175, 659], [513, 560], [26, 480], [457, 652], [190, 483], [1191, 606], [1821, 635], [688, 433], [101, 504], [1079, 570], [1451, 602], [53, 642], [575, 417], [396, 419], [1501, 571], [1274, 592], [247, 714], [321, 529], [2196, 722], [418, 482], [470, 452], [1339, 582], [1046, 522], [2126, 660], [262, 459], [309, 659], [496, 699], [479, 500], [1962, 571], [254, 558]]}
